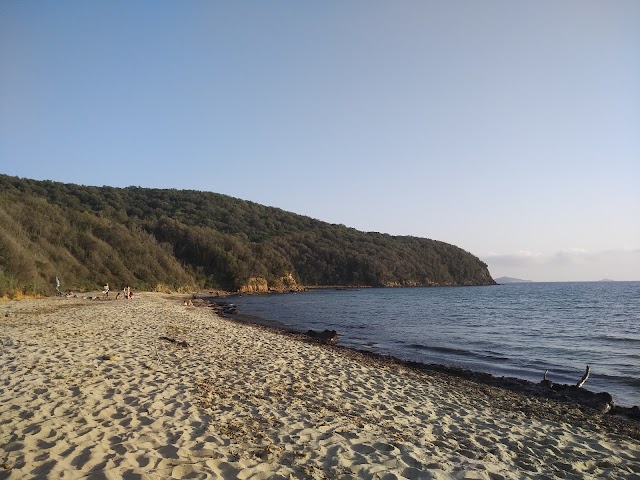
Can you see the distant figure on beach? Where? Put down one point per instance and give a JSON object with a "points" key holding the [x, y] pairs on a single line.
{"points": [[105, 290], [127, 292], [118, 295]]}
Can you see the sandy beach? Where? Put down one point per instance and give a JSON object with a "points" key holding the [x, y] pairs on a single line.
{"points": [[150, 388]]}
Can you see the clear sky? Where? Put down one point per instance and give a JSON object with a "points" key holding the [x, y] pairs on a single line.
{"points": [[510, 129]]}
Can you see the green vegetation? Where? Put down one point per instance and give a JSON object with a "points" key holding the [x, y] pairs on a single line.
{"points": [[181, 238]]}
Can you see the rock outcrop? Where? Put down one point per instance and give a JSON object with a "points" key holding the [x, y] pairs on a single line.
{"points": [[330, 337], [285, 283], [255, 285]]}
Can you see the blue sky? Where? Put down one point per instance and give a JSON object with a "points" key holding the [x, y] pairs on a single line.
{"points": [[510, 129]]}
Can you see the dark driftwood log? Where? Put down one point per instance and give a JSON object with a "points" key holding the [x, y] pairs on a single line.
{"points": [[329, 337], [549, 383], [602, 401], [545, 381], [584, 378]]}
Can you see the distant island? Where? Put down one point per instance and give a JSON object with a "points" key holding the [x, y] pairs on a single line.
{"points": [[510, 280]]}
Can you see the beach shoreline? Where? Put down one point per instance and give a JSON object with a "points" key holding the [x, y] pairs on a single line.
{"points": [[584, 396], [511, 390], [153, 388], [523, 332]]}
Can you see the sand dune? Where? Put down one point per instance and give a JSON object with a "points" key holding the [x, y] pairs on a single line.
{"points": [[91, 389]]}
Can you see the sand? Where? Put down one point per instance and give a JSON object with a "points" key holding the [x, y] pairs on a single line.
{"points": [[89, 389]]}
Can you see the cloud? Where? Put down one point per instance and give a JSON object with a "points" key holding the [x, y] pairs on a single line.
{"points": [[567, 264], [519, 258], [574, 256], [570, 255]]}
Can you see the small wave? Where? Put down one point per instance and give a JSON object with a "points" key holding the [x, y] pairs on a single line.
{"points": [[419, 346], [617, 339], [631, 381], [458, 351], [360, 326]]}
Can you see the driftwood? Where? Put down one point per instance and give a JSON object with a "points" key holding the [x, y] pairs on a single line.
{"points": [[584, 377], [229, 308], [631, 412], [602, 401], [329, 337], [223, 308], [549, 383], [173, 340]]}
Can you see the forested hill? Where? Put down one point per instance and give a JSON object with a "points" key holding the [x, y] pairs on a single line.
{"points": [[147, 238]]}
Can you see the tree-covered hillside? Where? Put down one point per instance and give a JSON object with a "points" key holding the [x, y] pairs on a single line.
{"points": [[180, 238]]}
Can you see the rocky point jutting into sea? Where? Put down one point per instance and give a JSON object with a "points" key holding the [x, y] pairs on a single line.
{"points": [[168, 240]]}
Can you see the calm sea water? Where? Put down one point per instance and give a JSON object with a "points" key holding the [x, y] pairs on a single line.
{"points": [[516, 330]]}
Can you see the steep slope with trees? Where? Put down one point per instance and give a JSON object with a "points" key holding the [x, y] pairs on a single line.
{"points": [[181, 238]]}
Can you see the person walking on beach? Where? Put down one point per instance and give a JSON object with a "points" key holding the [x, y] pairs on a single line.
{"points": [[105, 290]]}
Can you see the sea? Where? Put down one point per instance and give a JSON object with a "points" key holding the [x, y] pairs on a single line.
{"points": [[513, 330]]}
